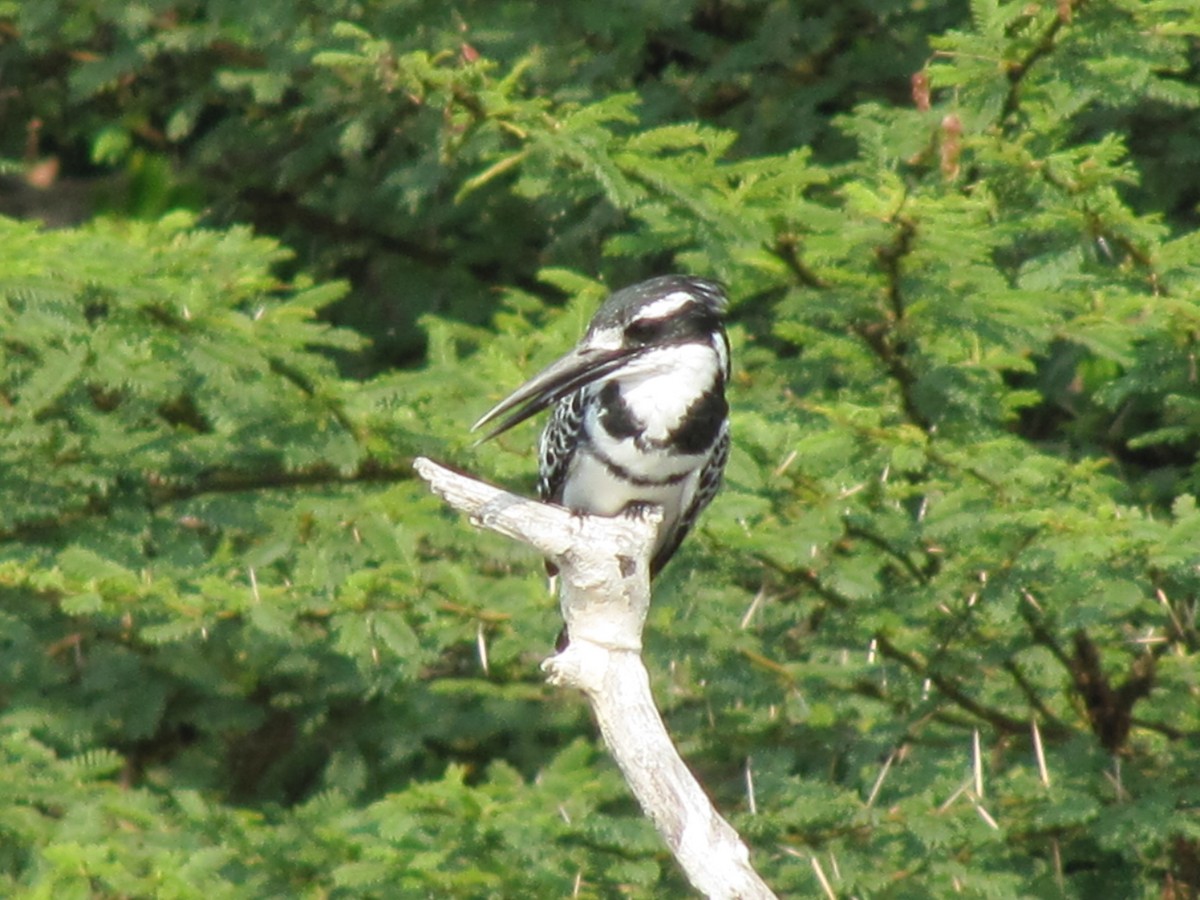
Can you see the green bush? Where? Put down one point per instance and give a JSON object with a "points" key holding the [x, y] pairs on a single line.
{"points": [[937, 637]]}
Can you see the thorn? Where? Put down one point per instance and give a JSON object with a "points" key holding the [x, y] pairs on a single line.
{"points": [[986, 816], [481, 646], [977, 763], [1039, 754], [1115, 777], [750, 789], [1162, 598], [1151, 638], [825, 886], [850, 491], [962, 789], [786, 464], [757, 602], [887, 765], [254, 585]]}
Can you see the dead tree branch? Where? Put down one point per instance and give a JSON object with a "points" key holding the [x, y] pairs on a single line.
{"points": [[604, 591]]}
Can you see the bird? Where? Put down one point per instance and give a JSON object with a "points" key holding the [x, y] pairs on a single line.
{"points": [[640, 417]]}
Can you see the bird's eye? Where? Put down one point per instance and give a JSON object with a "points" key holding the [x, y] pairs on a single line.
{"points": [[644, 331]]}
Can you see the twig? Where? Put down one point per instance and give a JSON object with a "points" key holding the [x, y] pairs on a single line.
{"points": [[997, 719], [1018, 70], [786, 248], [884, 338]]}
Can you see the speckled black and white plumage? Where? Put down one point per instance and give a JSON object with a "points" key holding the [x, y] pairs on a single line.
{"points": [[640, 415]]}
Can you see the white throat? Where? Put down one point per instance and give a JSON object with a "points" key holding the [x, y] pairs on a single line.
{"points": [[663, 383]]}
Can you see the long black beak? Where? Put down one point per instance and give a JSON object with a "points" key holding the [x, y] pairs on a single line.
{"points": [[579, 367]]}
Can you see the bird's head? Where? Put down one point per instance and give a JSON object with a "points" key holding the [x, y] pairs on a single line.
{"points": [[632, 322]]}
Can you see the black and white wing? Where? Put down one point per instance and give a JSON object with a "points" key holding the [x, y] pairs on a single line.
{"points": [[706, 489], [557, 446]]}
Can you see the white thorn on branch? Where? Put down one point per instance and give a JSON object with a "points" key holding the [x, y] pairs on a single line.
{"points": [[604, 591]]}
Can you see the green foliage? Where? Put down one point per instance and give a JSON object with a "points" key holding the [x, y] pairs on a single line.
{"points": [[355, 132], [943, 616]]}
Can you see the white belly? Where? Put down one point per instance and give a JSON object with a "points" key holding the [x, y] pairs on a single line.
{"points": [[592, 488]]}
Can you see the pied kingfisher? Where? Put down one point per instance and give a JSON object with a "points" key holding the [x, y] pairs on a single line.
{"points": [[641, 416]]}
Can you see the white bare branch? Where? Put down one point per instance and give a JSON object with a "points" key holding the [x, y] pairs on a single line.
{"points": [[604, 591]]}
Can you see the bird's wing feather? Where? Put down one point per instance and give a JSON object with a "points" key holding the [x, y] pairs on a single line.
{"points": [[706, 489], [557, 446]]}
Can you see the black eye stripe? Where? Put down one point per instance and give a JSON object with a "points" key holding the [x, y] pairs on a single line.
{"points": [[646, 329], [695, 323]]}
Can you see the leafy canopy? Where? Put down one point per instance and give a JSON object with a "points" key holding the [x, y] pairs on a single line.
{"points": [[936, 637]]}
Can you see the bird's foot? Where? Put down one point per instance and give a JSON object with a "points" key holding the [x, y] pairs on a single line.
{"points": [[638, 509]]}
